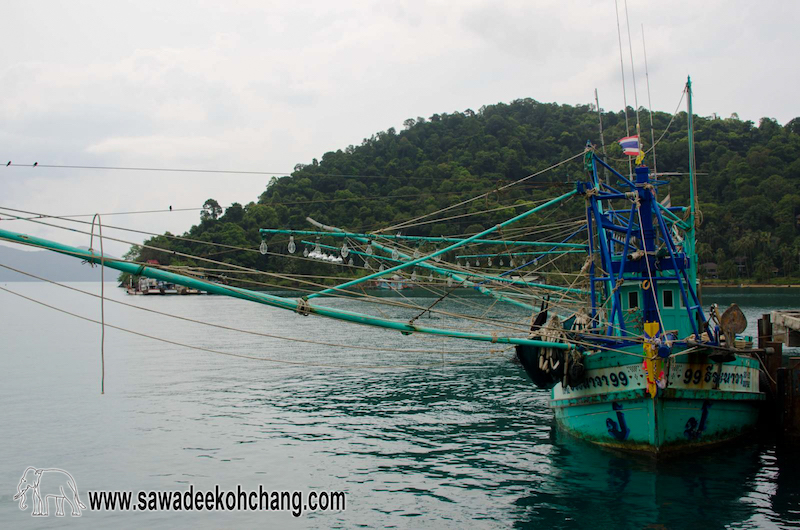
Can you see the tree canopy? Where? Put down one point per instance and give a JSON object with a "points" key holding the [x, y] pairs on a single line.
{"points": [[748, 180]]}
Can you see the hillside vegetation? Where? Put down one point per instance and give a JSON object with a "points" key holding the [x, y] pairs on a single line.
{"points": [[748, 179]]}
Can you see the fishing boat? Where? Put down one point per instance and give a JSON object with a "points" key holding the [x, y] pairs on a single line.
{"points": [[695, 385], [633, 363]]}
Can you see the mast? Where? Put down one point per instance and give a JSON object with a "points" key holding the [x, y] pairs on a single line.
{"points": [[689, 244]]}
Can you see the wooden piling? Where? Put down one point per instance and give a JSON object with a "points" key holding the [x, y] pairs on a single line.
{"points": [[771, 354], [789, 388], [764, 330]]}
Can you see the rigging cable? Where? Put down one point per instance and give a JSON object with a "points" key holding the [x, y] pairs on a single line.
{"points": [[228, 328], [624, 93], [231, 354], [649, 103], [506, 186]]}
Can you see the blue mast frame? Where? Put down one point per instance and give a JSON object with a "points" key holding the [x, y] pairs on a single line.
{"points": [[652, 232]]}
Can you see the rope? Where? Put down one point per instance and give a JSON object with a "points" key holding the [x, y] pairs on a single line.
{"points": [[102, 300], [303, 307]]}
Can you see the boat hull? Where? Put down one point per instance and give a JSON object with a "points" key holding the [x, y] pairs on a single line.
{"points": [[704, 402], [665, 424]]}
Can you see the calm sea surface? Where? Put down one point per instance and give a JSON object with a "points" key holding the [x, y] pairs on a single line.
{"points": [[437, 439]]}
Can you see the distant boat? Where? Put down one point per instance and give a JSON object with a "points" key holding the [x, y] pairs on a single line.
{"points": [[151, 286]]}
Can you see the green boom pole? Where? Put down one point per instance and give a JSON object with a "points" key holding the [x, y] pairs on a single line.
{"points": [[439, 252], [300, 305], [373, 237], [447, 272]]}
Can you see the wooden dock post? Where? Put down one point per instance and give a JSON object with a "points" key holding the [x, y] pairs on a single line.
{"points": [[772, 358], [789, 396]]}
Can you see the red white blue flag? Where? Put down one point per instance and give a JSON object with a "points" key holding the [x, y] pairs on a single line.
{"points": [[630, 145]]}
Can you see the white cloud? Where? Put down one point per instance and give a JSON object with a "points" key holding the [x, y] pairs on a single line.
{"points": [[158, 147], [265, 85]]}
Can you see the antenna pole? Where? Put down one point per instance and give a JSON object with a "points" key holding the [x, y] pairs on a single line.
{"points": [[689, 244], [633, 74], [624, 93], [602, 139], [649, 105]]}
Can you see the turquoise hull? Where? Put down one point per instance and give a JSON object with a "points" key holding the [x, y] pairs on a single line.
{"points": [[613, 408]]}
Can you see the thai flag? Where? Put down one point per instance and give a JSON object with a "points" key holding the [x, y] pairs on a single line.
{"points": [[630, 145]]}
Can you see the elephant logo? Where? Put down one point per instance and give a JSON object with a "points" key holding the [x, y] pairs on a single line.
{"points": [[46, 484]]}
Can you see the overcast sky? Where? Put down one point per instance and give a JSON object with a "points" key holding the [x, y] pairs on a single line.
{"points": [[258, 85]]}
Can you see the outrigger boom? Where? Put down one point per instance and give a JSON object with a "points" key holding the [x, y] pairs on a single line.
{"points": [[300, 305]]}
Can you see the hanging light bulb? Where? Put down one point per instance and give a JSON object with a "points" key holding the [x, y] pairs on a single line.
{"points": [[468, 265], [350, 262], [511, 263], [395, 254], [430, 277], [449, 281], [316, 247], [345, 250], [490, 262], [477, 262], [263, 247], [438, 257], [292, 247], [416, 252], [369, 249], [381, 268], [414, 276], [367, 265], [305, 252]]}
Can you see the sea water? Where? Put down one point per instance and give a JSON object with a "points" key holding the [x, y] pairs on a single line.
{"points": [[452, 436]]}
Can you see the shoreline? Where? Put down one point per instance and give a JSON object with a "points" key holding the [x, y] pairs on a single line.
{"points": [[750, 285]]}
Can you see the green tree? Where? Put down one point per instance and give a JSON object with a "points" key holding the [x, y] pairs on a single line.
{"points": [[211, 210]]}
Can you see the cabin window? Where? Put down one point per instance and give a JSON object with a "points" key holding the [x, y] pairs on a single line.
{"points": [[633, 300], [667, 296]]}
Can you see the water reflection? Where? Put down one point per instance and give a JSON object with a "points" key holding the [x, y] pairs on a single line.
{"points": [[457, 445], [597, 487]]}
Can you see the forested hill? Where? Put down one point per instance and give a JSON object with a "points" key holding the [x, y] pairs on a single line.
{"points": [[749, 182]]}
